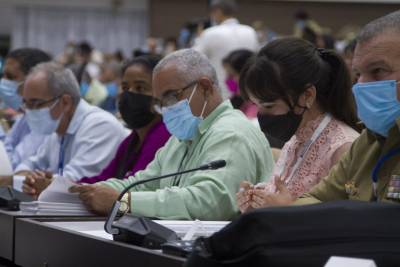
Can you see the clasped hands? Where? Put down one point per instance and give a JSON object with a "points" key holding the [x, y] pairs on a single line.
{"points": [[252, 196]]}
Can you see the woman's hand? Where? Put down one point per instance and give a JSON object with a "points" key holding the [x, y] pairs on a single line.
{"points": [[262, 198], [243, 197]]}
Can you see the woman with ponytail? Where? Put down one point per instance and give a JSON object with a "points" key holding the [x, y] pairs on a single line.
{"points": [[304, 94]]}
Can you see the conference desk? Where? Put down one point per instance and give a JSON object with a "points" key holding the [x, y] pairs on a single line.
{"points": [[68, 242], [8, 230]]}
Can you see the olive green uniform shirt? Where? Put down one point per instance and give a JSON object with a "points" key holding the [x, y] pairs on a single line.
{"points": [[351, 178], [206, 195]]}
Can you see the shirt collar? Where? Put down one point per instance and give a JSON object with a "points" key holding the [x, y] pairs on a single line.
{"points": [[230, 21], [393, 133], [207, 122], [81, 111]]}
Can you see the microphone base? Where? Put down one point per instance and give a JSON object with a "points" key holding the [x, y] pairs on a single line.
{"points": [[142, 232]]}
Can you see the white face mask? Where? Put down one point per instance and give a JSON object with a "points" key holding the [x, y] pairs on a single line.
{"points": [[40, 120]]}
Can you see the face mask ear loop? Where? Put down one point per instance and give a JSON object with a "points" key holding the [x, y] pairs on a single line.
{"points": [[52, 106], [204, 108], [194, 90]]}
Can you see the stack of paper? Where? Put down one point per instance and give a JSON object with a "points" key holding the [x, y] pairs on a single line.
{"points": [[56, 200], [189, 230]]}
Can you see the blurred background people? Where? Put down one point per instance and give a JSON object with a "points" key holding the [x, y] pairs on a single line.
{"points": [[226, 36], [233, 64], [20, 142]]}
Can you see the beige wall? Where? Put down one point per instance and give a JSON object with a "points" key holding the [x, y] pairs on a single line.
{"points": [[167, 16]]}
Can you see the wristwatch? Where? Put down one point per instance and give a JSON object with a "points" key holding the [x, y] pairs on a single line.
{"points": [[125, 204]]}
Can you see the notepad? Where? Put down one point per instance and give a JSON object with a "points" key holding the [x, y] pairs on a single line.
{"points": [[57, 200]]}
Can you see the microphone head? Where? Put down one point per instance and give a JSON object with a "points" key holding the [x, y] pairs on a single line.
{"points": [[213, 165]]}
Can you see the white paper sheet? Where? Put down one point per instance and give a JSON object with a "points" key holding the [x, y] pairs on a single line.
{"points": [[57, 191], [98, 233], [57, 200], [96, 228]]}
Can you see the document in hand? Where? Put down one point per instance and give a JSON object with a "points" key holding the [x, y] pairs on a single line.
{"points": [[57, 200]]}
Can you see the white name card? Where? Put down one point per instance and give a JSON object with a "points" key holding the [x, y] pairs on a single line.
{"points": [[349, 262]]}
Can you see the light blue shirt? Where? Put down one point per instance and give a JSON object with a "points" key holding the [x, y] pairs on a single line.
{"points": [[21, 143], [90, 143]]}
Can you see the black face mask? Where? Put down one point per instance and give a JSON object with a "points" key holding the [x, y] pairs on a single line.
{"points": [[279, 128], [135, 109]]}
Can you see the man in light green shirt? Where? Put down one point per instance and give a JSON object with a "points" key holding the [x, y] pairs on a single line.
{"points": [[186, 87]]}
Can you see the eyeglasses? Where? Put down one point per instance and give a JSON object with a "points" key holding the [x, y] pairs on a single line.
{"points": [[37, 104], [171, 97]]}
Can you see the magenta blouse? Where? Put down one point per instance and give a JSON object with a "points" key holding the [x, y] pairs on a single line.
{"points": [[154, 140]]}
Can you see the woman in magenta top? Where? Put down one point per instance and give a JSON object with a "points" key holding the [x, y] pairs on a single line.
{"points": [[136, 109]]}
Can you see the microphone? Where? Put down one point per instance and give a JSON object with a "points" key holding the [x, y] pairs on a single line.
{"points": [[141, 231]]}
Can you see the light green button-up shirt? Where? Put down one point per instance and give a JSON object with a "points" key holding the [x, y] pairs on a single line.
{"points": [[206, 195]]}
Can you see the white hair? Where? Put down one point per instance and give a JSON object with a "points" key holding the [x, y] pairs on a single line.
{"points": [[190, 66], [60, 80]]}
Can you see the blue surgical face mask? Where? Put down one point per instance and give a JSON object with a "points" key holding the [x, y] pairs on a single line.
{"points": [[377, 105], [9, 93], [40, 120], [180, 120]]}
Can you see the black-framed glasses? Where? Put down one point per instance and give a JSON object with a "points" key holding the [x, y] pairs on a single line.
{"points": [[38, 104], [171, 97]]}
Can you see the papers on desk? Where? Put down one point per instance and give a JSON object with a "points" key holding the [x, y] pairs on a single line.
{"points": [[189, 230], [98, 233], [57, 200], [182, 228]]}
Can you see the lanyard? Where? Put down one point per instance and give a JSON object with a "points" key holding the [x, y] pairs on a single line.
{"points": [[327, 119], [61, 157], [393, 152]]}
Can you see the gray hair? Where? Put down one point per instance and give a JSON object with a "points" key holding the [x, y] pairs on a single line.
{"points": [[60, 80], [190, 65], [390, 22]]}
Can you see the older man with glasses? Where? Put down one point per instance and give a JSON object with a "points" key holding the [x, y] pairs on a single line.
{"points": [[204, 128], [82, 139]]}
